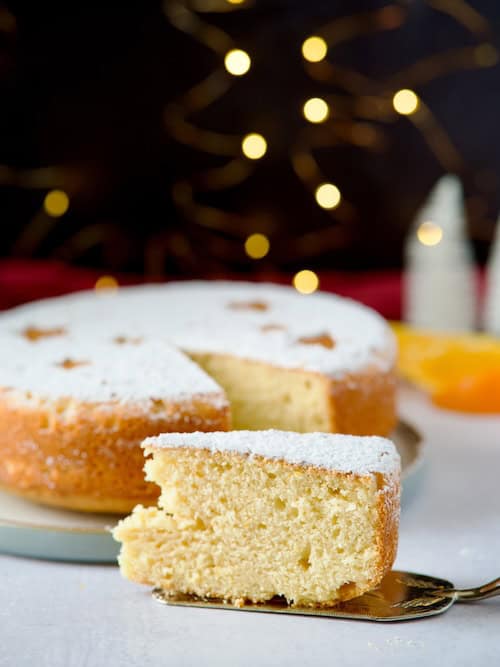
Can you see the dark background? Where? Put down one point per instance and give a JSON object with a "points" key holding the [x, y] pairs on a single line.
{"points": [[84, 88]]}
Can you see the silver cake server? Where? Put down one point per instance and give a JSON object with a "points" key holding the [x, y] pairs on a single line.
{"points": [[402, 596]]}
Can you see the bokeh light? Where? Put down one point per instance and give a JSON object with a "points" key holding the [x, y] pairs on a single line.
{"points": [[429, 233], [106, 284], [306, 281], [405, 102], [56, 203], [314, 49], [257, 246], [237, 62], [316, 110], [254, 146], [328, 195]]}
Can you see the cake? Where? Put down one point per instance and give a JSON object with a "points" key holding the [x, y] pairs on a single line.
{"points": [[250, 515], [171, 357], [74, 411]]}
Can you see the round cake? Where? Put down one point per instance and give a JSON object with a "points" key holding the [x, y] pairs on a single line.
{"points": [[86, 377]]}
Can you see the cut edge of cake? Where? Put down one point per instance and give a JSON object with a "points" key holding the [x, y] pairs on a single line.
{"points": [[296, 516]]}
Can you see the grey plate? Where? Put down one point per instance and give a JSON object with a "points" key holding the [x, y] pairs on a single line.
{"points": [[28, 529]]}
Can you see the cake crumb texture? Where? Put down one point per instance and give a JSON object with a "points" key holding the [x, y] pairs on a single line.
{"points": [[234, 524]]}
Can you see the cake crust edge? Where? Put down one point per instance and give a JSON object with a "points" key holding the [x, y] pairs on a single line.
{"points": [[89, 458]]}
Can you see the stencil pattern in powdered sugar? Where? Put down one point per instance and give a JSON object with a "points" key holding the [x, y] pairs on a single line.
{"points": [[253, 321]]}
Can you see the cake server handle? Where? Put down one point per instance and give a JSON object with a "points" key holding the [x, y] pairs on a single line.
{"points": [[488, 590]]}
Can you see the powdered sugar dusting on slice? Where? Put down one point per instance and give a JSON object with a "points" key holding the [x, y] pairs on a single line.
{"points": [[360, 455]]}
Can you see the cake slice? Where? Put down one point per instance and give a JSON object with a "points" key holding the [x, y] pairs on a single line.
{"points": [[249, 515]]}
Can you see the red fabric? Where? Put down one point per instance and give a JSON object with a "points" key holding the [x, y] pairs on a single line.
{"points": [[22, 281]]}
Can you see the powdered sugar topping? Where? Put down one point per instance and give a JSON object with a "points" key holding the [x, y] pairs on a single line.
{"points": [[101, 370], [254, 321], [360, 455]]}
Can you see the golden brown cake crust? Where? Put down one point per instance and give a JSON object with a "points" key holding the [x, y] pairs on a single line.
{"points": [[365, 403], [389, 512], [91, 460]]}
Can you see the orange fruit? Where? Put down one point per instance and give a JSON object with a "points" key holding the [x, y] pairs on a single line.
{"points": [[460, 372], [479, 393]]}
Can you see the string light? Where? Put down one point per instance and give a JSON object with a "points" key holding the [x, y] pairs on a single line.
{"points": [[429, 233], [346, 81], [237, 62], [316, 110], [306, 282], [328, 195], [405, 102], [257, 246], [350, 84], [106, 284], [314, 49], [56, 203], [254, 146]]}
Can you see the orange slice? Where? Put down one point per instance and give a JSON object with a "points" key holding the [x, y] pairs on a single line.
{"points": [[460, 372], [479, 393]]}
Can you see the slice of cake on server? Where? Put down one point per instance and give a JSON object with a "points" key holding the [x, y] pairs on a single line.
{"points": [[249, 515]]}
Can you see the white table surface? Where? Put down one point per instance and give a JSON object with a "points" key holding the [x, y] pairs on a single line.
{"points": [[68, 615]]}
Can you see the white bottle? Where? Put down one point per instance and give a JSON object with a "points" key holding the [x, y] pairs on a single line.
{"points": [[440, 284], [491, 317]]}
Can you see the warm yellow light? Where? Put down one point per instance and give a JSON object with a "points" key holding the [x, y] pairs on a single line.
{"points": [[316, 110], [405, 102], [106, 284], [235, 2], [306, 282], [257, 246], [237, 62], [56, 203], [328, 195], [254, 146], [429, 233], [314, 49]]}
